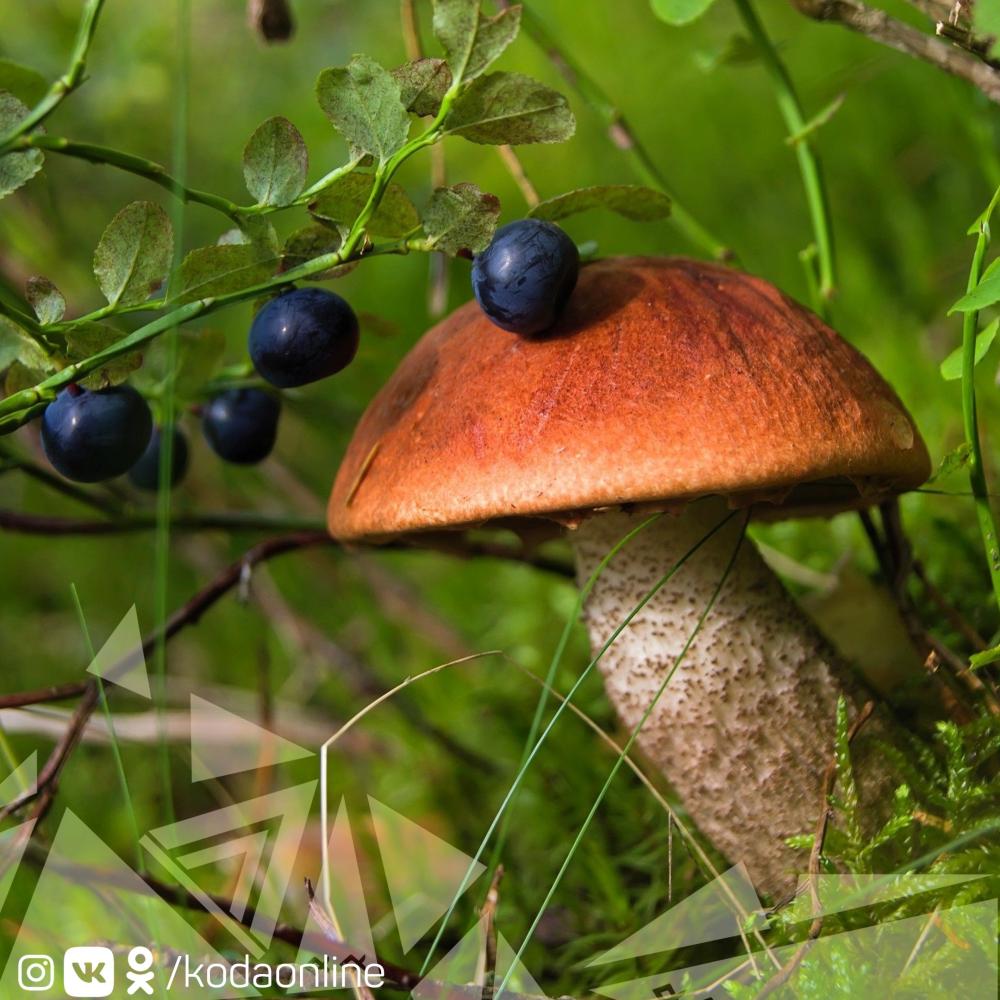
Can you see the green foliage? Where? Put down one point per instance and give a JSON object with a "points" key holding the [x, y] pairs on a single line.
{"points": [[423, 84], [134, 253], [46, 300], [221, 269], [951, 367], [308, 243], [275, 163], [341, 203], [363, 102], [956, 459], [511, 109], [986, 293], [631, 201], [24, 83], [16, 168], [89, 338], [460, 219], [471, 41], [678, 12], [199, 356], [986, 23], [17, 346]]}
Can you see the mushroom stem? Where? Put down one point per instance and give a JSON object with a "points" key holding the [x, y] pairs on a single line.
{"points": [[745, 727]]}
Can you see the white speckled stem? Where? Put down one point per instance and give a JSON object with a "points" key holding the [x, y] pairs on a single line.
{"points": [[744, 729]]}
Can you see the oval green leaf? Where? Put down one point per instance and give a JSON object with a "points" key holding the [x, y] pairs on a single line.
{"points": [[275, 163], [134, 254]]}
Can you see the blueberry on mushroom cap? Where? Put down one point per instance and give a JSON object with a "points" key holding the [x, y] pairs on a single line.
{"points": [[524, 278], [90, 435], [682, 387]]}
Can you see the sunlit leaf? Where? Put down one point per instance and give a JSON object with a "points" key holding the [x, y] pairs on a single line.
{"points": [[133, 256], [508, 108], [275, 163], [46, 300], [470, 40], [363, 102], [951, 367], [641, 204], [461, 218], [986, 293], [680, 11]]}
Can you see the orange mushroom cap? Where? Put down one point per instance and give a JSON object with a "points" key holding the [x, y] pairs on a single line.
{"points": [[664, 380]]}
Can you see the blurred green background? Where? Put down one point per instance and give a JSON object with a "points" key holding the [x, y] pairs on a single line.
{"points": [[910, 159]]}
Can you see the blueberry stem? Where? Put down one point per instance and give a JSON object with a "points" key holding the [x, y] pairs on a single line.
{"points": [[66, 84]]}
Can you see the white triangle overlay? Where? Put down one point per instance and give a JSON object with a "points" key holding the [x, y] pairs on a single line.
{"points": [[23, 778], [346, 906], [223, 742], [121, 660], [423, 871]]}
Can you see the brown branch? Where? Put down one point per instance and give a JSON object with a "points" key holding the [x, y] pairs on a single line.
{"points": [[888, 31]]}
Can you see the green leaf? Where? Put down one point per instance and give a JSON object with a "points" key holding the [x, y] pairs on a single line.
{"points": [[24, 83], [20, 376], [307, 244], [218, 270], [134, 253], [200, 354], [471, 41], [986, 293], [363, 102], [422, 85], [18, 346], [344, 200], [984, 658], [951, 367], [275, 163], [641, 204], [508, 108], [15, 168], [986, 24], [956, 459], [460, 219], [680, 11], [85, 341], [45, 299]]}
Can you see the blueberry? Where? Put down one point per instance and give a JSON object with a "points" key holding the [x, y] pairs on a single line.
{"points": [[145, 474], [303, 336], [525, 276], [242, 424], [94, 435]]}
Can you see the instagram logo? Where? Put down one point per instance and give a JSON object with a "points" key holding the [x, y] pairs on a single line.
{"points": [[35, 973]]}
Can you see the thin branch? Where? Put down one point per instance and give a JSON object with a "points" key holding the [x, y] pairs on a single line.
{"points": [[516, 170], [106, 505], [137, 165], [43, 524], [66, 84], [880, 27]]}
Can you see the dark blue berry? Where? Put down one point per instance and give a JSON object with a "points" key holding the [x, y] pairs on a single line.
{"points": [[90, 436], [242, 424], [303, 336], [525, 276], [145, 474]]}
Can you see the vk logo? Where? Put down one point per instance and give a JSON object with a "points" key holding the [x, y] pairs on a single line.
{"points": [[89, 972]]}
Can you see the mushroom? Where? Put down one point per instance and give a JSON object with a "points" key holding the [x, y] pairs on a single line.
{"points": [[678, 386]]}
